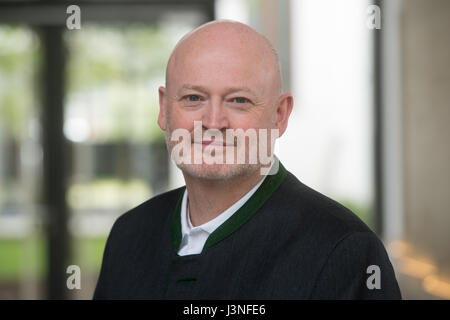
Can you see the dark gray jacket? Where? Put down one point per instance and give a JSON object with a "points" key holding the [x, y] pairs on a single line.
{"points": [[287, 242]]}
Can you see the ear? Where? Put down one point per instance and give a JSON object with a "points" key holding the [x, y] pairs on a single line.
{"points": [[284, 108], [162, 108]]}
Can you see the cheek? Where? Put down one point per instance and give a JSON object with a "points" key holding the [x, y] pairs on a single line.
{"points": [[251, 120], [180, 119]]}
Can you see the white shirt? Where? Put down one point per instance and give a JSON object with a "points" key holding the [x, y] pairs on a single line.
{"points": [[194, 238]]}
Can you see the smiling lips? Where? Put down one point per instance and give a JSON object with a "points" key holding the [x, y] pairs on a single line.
{"points": [[216, 143]]}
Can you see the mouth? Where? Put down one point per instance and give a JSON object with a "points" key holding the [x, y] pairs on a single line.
{"points": [[214, 143]]}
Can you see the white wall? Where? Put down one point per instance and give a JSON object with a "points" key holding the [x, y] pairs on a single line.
{"points": [[328, 144]]}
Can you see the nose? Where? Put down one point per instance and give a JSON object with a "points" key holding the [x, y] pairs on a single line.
{"points": [[214, 115]]}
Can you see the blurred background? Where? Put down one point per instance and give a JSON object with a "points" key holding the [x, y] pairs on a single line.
{"points": [[79, 143]]}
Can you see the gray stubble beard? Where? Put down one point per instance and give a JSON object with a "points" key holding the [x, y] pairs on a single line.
{"points": [[212, 172]]}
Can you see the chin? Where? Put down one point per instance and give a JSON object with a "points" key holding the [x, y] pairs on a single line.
{"points": [[218, 171]]}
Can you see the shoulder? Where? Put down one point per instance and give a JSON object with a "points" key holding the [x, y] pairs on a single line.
{"points": [[358, 267], [150, 214], [314, 213], [335, 240], [302, 217]]}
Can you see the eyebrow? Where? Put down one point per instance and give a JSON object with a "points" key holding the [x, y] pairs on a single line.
{"points": [[228, 90]]}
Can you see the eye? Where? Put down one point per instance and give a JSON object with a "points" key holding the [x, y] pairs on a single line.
{"points": [[193, 98], [240, 100]]}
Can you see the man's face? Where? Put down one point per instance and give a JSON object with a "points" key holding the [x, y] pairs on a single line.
{"points": [[224, 87]]}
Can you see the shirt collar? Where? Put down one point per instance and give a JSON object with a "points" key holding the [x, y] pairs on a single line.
{"points": [[210, 226]]}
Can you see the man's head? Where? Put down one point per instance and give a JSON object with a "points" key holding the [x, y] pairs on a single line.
{"points": [[227, 76]]}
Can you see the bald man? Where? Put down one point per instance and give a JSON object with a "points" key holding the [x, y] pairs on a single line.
{"points": [[243, 227]]}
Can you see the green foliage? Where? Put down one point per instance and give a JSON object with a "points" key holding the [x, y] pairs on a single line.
{"points": [[22, 257], [101, 55], [19, 54], [114, 72], [108, 193], [10, 257], [88, 253], [27, 257]]}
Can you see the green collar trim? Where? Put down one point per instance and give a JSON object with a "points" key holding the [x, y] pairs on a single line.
{"points": [[256, 201], [176, 224]]}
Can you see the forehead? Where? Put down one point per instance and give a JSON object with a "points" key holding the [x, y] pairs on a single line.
{"points": [[231, 62]]}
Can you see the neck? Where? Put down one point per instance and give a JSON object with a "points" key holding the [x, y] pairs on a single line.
{"points": [[209, 198]]}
